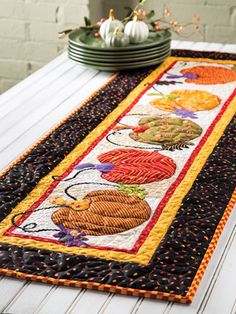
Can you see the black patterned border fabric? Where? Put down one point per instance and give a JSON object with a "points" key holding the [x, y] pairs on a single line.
{"points": [[178, 257]]}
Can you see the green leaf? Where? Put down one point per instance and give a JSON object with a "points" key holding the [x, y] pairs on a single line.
{"points": [[169, 97], [141, 2], [153, 94], [150, 14], [87, 21], [133, 189]]}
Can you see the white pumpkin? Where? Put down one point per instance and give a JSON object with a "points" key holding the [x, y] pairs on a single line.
{"points": [[117, 39], [137, 30], [110, 25]]}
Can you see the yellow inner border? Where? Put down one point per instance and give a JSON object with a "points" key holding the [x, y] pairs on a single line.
{"points": [[159, 230]]}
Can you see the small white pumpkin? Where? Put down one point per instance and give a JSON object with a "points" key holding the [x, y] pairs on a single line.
{"points": [[137, 30], [117, 39], [110, 25]]}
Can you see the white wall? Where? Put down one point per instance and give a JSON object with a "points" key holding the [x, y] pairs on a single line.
{"points": [[218, 17], [28, 28], [29, 34]]}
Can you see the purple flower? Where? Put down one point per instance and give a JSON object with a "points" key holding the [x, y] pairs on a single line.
{"points": [[173, 76], [103, 168], [184, 113], [190, 75], [71, 237], [84, 166], [186, 75]]}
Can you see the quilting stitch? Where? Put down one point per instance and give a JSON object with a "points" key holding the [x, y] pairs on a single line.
{"points": [[135, 281], [191, 100], [209, 75], [108, 212], [26, 259]]}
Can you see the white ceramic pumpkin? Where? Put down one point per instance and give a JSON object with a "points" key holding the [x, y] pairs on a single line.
{"points": [[110, 25], [117, 39], [137, 30]]}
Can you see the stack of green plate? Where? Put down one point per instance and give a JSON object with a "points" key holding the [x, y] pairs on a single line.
{"points": [[92, 51]]}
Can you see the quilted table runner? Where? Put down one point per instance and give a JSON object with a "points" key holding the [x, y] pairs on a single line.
{"points": [[131, 192]]}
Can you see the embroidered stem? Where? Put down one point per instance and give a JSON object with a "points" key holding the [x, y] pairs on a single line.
{"points": [[129, 146], [32, 225], [86, 183], [82, 170]]}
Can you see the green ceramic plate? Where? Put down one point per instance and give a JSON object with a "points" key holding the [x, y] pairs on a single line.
{"points": [[119, 52], [117, 59], [118, 56], [118, 62], [118, 67], [82, 38]]}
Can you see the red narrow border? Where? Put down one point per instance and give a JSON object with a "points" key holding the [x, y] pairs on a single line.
{"points": [[98, 139], [162, 203], [186, 299]]}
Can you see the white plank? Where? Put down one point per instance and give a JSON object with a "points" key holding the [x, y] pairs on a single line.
{"points": [[229, 48], [215, 47], [45, 106], [148, 306], [23, 139], [175, 44], [186, 45], [53, 95], [58, 300], [24, 101], [200, 46], [29, 299], [210, 274], [109, 304], [120, 304], [221, 48], [33, 78], [233, 311], [89, 303], [223, 295], [9, 288]]}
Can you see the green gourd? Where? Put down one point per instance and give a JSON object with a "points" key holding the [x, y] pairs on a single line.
{"points": [[110, 25], [137, 30], [166, 130], [117, 39]]}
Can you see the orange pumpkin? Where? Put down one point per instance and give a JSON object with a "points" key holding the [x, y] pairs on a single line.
{"points": [[192, 100], [135, 166], [208, 74], [107, 212]]}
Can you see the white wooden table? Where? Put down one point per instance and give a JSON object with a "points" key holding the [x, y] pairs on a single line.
{"points": [[28, 111]]}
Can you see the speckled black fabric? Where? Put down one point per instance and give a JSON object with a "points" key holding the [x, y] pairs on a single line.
{"points": [[23, 177], [176, 260], [203, 54], [180, 253]]}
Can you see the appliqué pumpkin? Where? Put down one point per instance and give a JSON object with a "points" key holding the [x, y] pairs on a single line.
{"points": [[108, 212], [133, 166], [192, 100], [210, 75], [167, 130]]}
